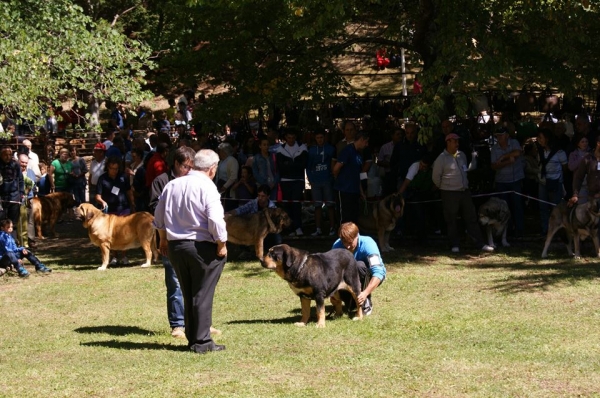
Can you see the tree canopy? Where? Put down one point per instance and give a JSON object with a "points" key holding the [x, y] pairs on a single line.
{"points": [[51, 51], [277, 51]]}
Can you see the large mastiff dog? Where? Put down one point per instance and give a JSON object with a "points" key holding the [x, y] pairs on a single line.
{"points": [[382, 219], [251, 229], [578, 221], [494, 215], [111, 232], [316, 277], [48, 209]]}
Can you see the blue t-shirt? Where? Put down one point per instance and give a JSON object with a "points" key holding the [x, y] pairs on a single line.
{"points": [[318, 168], [366, 248], [348, 180]]}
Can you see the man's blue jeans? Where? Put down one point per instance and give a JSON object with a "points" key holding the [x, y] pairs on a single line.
{"points": [[174, 296]]}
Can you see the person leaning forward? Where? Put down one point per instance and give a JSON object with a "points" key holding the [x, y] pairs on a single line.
{"points": [[189, 217]]}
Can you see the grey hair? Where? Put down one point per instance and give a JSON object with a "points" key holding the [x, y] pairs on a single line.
{"points": [[226, 148], [205, 159]]}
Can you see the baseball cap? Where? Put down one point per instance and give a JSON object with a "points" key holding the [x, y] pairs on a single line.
{"points": [[452, 136], [100, 146]]}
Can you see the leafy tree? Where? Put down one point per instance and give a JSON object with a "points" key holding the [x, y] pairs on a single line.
{"points": [[274, 50], [51, 51]]}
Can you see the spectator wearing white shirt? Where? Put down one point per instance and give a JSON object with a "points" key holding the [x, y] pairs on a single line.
{"points": [[189, 217]]}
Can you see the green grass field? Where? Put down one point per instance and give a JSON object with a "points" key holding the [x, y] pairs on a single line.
{"points": [[497, 325]]}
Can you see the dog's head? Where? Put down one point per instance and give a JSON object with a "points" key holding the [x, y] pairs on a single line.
{"points": [[282, 258], [396, 204], [88, 211], [280, 219], [594, 209], [495, 210]]}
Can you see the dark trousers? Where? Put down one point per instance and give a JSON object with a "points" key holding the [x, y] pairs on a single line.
{"points": [[349, 207], [453, 203], [293, 190], [198, 268]]}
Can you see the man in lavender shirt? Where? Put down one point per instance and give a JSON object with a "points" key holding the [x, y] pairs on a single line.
{"points": [[190, 220]]}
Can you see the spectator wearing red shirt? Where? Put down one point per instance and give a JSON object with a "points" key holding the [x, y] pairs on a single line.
{"points": [[157, 163]]}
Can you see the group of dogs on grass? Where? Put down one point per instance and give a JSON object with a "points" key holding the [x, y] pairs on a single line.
{"points": [[314, 276]]}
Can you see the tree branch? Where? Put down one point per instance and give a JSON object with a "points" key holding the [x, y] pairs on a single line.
{"points": [[118, 15]]}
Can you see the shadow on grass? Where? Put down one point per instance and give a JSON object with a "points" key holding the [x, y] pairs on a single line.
{"points": [[115, 330], [128, 345]]}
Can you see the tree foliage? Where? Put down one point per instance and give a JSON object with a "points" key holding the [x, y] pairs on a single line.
{"points": [[51, 51], [273, 51]]}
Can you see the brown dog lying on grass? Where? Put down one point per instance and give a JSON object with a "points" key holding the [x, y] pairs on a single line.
{"points": [[48, 209], [316, 277], [111, 232]]}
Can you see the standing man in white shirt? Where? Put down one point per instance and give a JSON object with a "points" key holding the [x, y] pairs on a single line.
{"points": [[190, 220]]}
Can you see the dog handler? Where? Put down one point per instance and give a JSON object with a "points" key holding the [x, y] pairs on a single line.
{"points": [[370, 264], [190, 220]]}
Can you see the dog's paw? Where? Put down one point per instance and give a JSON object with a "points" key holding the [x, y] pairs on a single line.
{"points": [[300, 324], [385, 250], [577, 257], [102, 268], [320, 325], [357, 318], [146, 265], [390, 248]]}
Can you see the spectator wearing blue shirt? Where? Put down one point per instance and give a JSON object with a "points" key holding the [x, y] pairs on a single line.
{"points": [[347, 172], [12, 255], [260, 203], [319, 173], [370, 264]]}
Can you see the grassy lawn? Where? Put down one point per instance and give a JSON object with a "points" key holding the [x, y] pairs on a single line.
{"points": [[500, 325]]}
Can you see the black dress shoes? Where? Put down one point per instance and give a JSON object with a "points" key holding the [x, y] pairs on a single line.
{"points": [[204, 350]]}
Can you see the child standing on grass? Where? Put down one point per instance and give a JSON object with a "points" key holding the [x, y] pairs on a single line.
{"points": [[12, 255]]}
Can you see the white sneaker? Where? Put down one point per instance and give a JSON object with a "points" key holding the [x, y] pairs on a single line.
{"points": [[178, 332], [487, 248], [299, 232], [124, 261], [317, 232], [113, 261], [455, 249]]}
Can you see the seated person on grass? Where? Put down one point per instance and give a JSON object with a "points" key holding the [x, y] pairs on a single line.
{"points": [[370, 264], [12, 256]]}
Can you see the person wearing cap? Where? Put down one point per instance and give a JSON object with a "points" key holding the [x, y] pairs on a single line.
{"points": [[96, 169], [450, 176], [590, 167], [507, 161], [34, 160]]}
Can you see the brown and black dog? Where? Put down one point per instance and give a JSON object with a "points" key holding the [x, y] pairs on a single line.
{"points": [[382, 219], [111, 232], [251, 229], [316, 277], [579, 222], [48, 209]]}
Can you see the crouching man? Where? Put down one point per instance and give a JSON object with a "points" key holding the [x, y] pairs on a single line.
{"points": [[370, 264]]}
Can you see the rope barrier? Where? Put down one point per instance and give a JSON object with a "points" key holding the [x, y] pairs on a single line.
{"points": [[407, 202]]}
